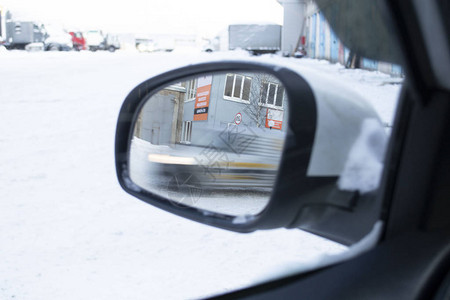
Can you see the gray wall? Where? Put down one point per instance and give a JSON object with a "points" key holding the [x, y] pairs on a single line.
{"points": [[155, 124], [223, 111], [160, 121], [294, 14]]}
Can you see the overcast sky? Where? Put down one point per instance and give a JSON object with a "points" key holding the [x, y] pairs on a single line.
{"points": [[203, 17]]}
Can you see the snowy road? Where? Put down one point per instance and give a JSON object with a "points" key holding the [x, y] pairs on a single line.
{"points": [[68, 231]]}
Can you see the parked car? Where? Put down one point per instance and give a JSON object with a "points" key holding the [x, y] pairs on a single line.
{"points": [[301, 52], [398, 231], [57, 39], [112, 43], [143, 45]]}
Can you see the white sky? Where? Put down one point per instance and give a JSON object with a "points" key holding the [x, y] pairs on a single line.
{"points": [[202, 17]]}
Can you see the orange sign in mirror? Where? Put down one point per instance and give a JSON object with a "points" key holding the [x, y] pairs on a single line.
{"points": [[202, 98]]}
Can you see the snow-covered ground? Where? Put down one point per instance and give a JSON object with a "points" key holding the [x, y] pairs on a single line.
{"points": [[68, 231]]}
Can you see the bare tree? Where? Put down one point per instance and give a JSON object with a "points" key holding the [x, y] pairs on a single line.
{"points": [[263, 86]]}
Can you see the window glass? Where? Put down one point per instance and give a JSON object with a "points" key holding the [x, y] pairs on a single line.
{"points": [[279, 98], [271, 95], [237, 86], [264, 92], [247, 86], [229, 85]]}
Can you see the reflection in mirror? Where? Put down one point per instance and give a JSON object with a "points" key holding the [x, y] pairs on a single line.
{"points": [[212, 142]]}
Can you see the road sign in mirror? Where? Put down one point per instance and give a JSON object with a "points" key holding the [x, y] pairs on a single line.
{"points": [[212, 142]]}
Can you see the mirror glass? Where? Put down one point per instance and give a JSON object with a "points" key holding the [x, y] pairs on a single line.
{"points": [[213, 142]]}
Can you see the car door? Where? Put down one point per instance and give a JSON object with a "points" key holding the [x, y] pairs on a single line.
{"points": [[411, 260], [406, 219], [318, 142]]}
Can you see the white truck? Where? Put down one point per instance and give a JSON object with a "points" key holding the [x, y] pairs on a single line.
{"points": [[96, 40]]}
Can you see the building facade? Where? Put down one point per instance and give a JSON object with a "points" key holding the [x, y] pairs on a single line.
{"points": [[305, 26], [294, 14], [194, 111]]}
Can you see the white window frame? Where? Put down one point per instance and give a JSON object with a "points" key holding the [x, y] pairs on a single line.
{"points": [[186, 133], [232, 98], [265, 104], [191, 90]]}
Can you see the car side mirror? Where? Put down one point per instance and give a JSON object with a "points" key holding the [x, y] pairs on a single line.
{"points": [[242, 146]]}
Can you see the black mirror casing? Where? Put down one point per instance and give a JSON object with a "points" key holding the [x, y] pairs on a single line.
{"points": [[311, 203], [297, 150]]}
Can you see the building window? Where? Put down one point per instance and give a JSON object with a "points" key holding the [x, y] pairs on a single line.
{"points": [[186, 132], [18, 28], [272, 94], [237, 87], [191, 90]]}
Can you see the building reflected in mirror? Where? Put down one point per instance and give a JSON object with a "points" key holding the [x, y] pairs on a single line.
{"points": [[212, 142]]}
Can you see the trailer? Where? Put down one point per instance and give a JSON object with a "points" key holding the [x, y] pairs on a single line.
{"points": [[3, 16], [19, 34], [255, 38]]}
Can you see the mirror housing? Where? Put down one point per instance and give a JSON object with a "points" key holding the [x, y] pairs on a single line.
{"points": [[325, 120]]}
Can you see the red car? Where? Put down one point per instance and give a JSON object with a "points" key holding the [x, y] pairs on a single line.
{"points": [[78, 40]]}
